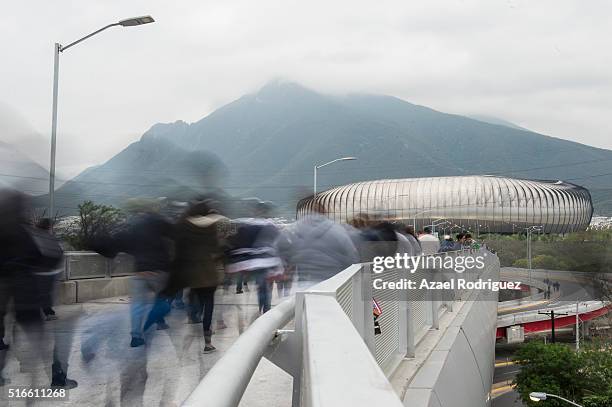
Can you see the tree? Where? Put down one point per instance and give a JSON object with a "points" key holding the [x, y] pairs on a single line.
{"points": [[585, 376], [549, 368], [93, 221], [596, 367]]}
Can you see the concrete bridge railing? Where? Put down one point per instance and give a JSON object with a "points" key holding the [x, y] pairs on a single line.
{"points": [[84, 276], [79, 265], [334, 356]]}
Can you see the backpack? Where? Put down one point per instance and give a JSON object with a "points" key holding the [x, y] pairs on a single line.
{"points": [[49, 251]]}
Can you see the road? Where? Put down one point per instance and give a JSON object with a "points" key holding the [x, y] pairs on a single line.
{"points": [[509, 399], [570, 291], [505, 371]]}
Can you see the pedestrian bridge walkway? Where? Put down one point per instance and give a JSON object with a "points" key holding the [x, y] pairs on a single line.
{"points": [[163, 373], [316, 347]]}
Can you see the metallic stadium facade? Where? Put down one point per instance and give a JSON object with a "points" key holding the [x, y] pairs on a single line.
{"points": [[489, 204]]}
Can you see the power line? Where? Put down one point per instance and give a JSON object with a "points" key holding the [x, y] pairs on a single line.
{"points": [[295, 186]]}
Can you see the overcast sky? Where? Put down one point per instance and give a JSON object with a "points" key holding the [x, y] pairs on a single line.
{"points": [[543, 65]]}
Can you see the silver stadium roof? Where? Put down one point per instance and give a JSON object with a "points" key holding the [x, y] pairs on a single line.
{"points": [[488, 203]]}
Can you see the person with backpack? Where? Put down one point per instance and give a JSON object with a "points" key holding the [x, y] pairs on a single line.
{"points": [[198, 254], [252, 251], [26, 253]]}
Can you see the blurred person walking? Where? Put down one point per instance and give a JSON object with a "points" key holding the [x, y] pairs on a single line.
{"points": [[415, 244], [380, 238], [146, 236], [25, 252], [459, 242], [320, 248], [447, 245], [429, 242], [46, 279], [198, 251], [406, 243], [252, 251]]}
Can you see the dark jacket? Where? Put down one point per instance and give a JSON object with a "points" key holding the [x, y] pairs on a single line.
{"points": [[380, 240], [147, 237], [253, 246], [25, 252], [198, 251], [27, 248]]}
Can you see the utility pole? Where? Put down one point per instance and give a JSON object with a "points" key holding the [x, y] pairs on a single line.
{"points": [[577, 327], [552, 314]]}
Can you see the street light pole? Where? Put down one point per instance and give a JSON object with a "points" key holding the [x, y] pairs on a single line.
{"points": [[529, 251], [417, 214], [316, 167], [530, 231], [314, 192], [51, 214], [57, 48]]}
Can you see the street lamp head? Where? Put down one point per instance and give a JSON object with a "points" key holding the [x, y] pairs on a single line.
{"points": [[335, 161], [537, 396], [129, 22]]}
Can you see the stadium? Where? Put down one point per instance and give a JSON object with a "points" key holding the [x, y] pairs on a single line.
{"points": [[488, 204]]}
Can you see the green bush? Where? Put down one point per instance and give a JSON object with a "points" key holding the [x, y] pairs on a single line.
{"points": [[522, 263]]}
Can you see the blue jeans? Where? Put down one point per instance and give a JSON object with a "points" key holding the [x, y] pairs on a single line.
{"points": [[144, 287], [264, 295]]}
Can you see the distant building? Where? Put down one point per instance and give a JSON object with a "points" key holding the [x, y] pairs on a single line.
{"points": [[490, 204], [601, 223]]}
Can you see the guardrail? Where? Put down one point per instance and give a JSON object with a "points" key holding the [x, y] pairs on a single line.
{"points": [[79, 265], [226, 382], [569, 308], [332, 353]]}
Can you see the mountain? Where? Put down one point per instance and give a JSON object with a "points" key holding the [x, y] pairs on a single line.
{"points": [[269, 141], [497, 120], [21, 152], [150, 167], [19, 172]]}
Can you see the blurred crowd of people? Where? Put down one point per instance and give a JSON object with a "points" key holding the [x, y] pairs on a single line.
{"points": [[190, 256]]}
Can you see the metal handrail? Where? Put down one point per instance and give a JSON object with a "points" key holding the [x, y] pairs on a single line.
{"points": [[225, 383]]}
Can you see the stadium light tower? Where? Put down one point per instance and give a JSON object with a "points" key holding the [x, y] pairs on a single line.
{"points": [[128, 22]]}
